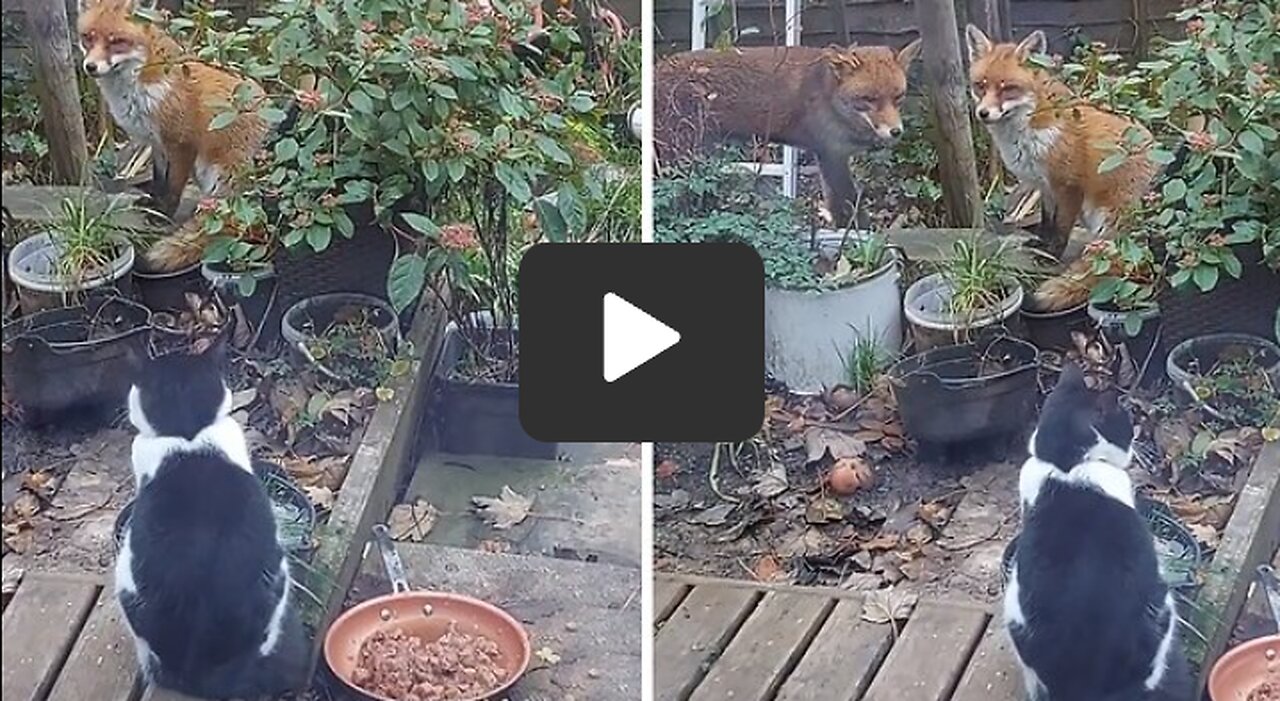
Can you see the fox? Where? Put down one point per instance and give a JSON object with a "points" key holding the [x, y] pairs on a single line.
{"points": [[1054, 142], [162, 98], [831, 101]]}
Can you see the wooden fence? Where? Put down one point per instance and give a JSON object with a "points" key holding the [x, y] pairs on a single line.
{"points": [[1125, 25]]}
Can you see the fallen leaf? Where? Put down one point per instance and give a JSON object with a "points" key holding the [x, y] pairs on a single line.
{"points": [[509, 509], [25, 505], [12, 578], [412, 522], [497, 547], [715, 516], [869, 436], [322, 497], [768, 569], [43, 484], [243, 398], [935, 513], [385, 394], [883, 541], [676, 500], [919, 534], [862, 581], [1206, 534], [888, 605], [666, 469], [1271, 434], [546, 655], [820, 442], [772, 481], [824, 510]]}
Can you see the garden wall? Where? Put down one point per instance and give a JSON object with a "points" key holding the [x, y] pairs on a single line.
{"points": [[1125, 25]]}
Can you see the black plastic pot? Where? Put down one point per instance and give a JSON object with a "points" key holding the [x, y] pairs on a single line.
{"points": [[968, 392], [168, 291], [261, 309], [302, 321], [358, 264], [73, 358], [482, 418], [1141, 344], [1052, 330]]}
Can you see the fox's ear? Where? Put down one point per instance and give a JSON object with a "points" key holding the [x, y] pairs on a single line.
{"points": [[908, 54], [979, 44], [1035, 43], [844, 62]]}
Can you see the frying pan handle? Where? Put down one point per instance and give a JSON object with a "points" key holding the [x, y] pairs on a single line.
{"points": [[390, 559], [1271, 589]]}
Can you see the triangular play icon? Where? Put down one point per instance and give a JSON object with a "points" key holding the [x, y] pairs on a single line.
{"points": [[631, 337]]}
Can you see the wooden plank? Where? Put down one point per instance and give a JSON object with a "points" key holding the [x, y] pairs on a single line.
{"points": [[155, 693], [766, 648], [993, 673], [1251, 536], [927, 661], [842, 660], [694, 636], [103, 665], [587, 613], [368, 493], [667, 595], [39, 628]]}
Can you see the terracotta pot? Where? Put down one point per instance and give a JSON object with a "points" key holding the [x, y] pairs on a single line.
{"points": [[1244, 668], [427, 615]]}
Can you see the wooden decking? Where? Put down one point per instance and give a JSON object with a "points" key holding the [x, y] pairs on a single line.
{"points": [[734, 640], [64, 640]]}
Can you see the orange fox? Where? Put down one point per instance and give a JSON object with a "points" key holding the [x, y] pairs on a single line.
{"points": [[831, 101], [165, 100], [1056, 144]]}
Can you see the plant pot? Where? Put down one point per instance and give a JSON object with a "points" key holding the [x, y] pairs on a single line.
{"points": [[1140, 344], [809, 334], [932, 326], [72, 358], [32, 269], [482, 418], [168, 291], [261, 308], [358, 264], [1193, 356], [1244, 668], [946, 396], [1052, 330], [318, 313]]}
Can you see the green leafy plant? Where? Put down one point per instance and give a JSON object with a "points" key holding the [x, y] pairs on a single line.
{"points": [[1128, 277], [88, 236], [980, 275], [1215, 92], [863, 364], [352, 350]]}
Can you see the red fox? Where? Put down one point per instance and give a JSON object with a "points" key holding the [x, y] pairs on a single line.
{"points": [[831, 101], [1056, 144], [167, 101]]}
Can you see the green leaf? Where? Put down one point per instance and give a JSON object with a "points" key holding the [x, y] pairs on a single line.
{"points": [[1205, 277], [272, 115], [326, 19], [246, 285], [553, 150], [1112, 162], [581, 103], [345, 226], [374, 90], [286, 149], [460, 67], [318, 237], [515, 182], [445, 91], [1106, 289], [1161, 156], [406, 279], [550, 220], [1132, 324], [360, 102], [222, 120], [1251, 142], [1175, 190], [421, 224]]}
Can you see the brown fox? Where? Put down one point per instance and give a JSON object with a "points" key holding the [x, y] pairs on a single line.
{"points": [[1055, 143], [832, 102], [165, 100]]}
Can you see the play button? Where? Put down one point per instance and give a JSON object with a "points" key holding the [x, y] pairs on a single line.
{"points": [[631, 337]]}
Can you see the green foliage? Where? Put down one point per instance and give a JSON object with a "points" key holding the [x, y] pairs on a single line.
{"points": [[980, 275], [863, 365], [1126, 271], [1216, 91], [88, 237], [710, 200]]}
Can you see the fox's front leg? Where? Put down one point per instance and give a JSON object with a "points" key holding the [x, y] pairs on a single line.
{"points": [[838, 186]]}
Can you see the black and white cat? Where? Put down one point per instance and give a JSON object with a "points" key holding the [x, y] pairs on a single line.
{"points": [[201, 575], [1089, 614]]}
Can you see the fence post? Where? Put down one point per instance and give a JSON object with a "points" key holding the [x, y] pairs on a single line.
{"points": [[948, 93], [54, 64]]}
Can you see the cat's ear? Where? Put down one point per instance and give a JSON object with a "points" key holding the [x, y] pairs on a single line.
{"points": [[1072, 377]]}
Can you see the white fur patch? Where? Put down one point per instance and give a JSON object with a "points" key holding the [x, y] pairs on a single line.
{"points": [[224, 435], [1161, 662], [1013, 615], [1105, 478], [1023, 148], [125, 583], [134, 104], [276, 625]]}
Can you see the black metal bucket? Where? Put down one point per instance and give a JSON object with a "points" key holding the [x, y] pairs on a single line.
{"points": [[73, 358], [968, 392]]}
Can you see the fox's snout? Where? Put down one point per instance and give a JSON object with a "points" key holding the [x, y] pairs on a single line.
{"points": [[887, 127], [93, 68]]}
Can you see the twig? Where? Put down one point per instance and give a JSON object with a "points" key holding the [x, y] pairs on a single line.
{"points": [[715, 470]]}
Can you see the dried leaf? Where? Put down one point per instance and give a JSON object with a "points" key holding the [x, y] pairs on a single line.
{"points": [[888, 605], [714, 516], [666, 469], [768, 569], [546, 656], [823, 441], [25, 505], [883, 541], [1206, 534], [385, 394], [508, 510], [824, 510], [412, 522], [935, 513], [243, 398], [1271, 434], [869, 435], [772, 481], [322, 497]]}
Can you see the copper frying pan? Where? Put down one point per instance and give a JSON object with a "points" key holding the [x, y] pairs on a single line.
{"points": [[424, 614], [1249, 664]]}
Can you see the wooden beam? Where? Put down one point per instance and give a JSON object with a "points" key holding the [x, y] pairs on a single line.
{"points": [[948, 93], [1250, 539], [49, 31]]}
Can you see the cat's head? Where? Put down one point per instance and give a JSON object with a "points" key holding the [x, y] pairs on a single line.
{"points": [[1079, 424], [179, 394]]}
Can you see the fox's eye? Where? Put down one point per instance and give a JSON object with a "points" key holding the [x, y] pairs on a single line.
{"points": [[980, 85], [1009, 89], [861, 104], [86, 38]]}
